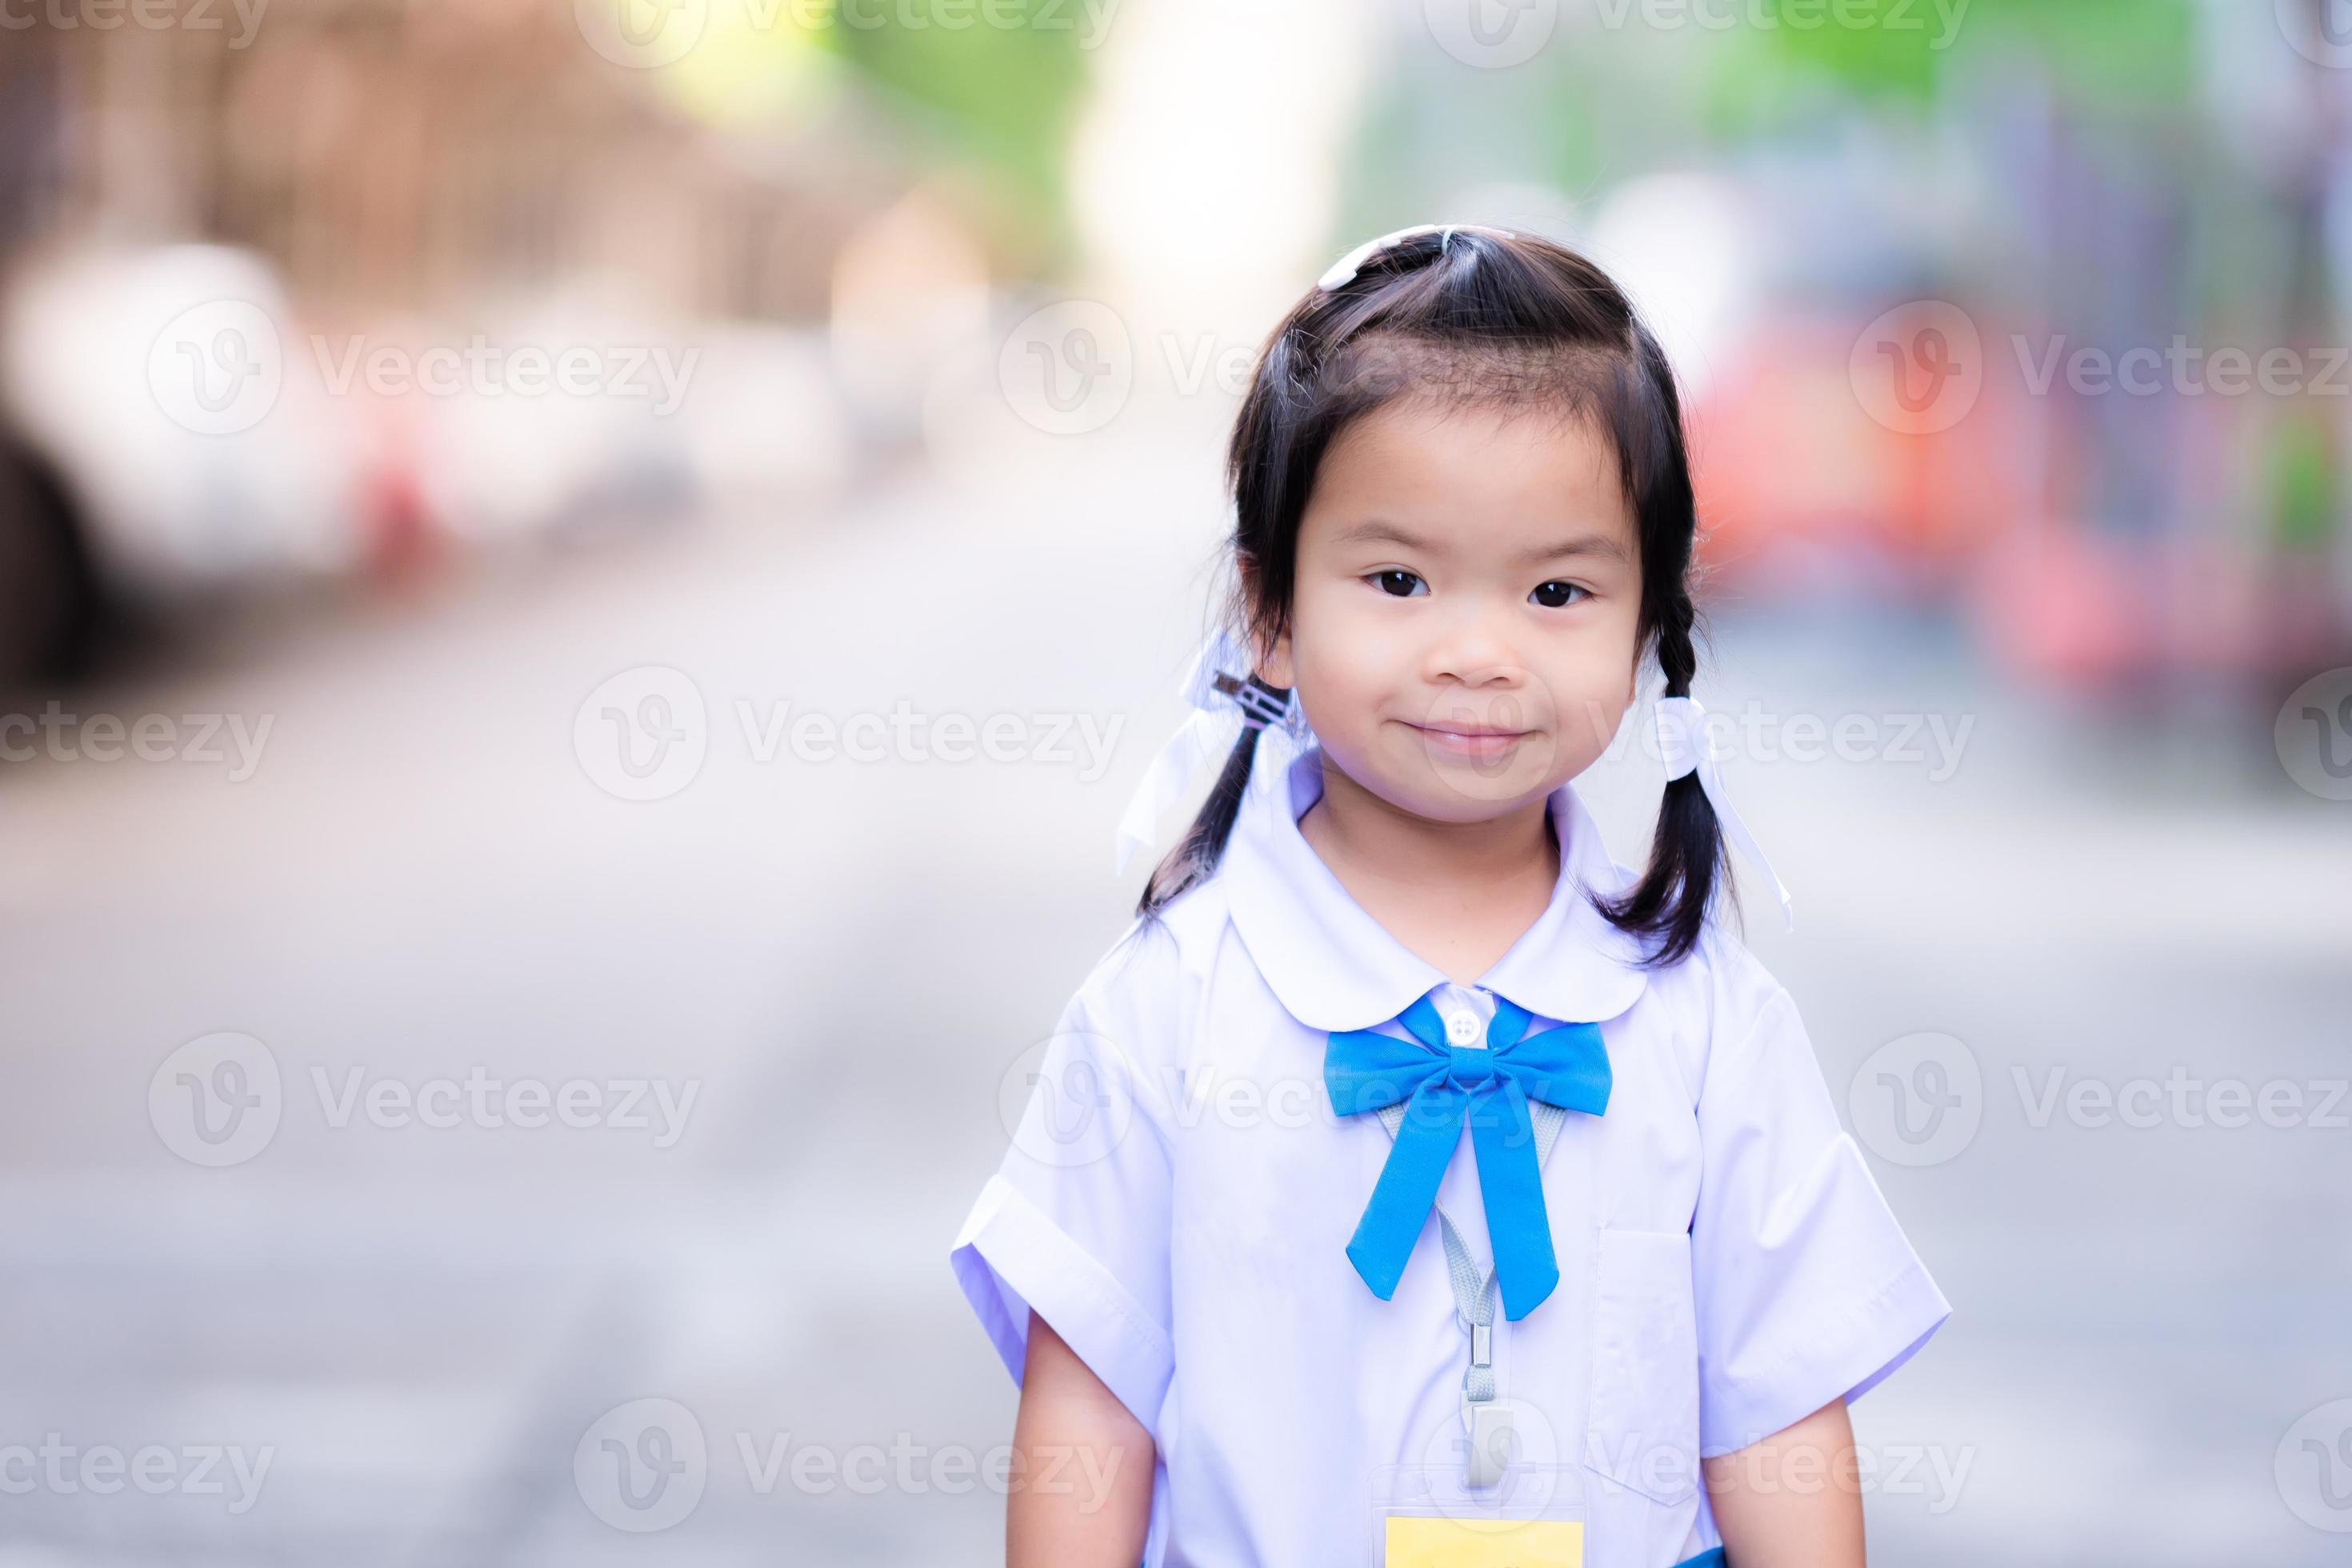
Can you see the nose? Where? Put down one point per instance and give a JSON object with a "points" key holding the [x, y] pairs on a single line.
{"points": [[1474, 649]]}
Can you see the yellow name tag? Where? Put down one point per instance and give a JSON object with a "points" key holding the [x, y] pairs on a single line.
{"points": [[1484, 1542]]}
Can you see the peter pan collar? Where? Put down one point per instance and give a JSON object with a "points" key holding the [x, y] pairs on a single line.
{"points": [[1333, 966]]}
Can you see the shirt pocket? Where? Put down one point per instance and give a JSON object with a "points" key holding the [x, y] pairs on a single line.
{"points": [[1643, 1429]]}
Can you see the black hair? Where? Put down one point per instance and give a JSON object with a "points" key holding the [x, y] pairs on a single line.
{"points": [[1477, 316]]}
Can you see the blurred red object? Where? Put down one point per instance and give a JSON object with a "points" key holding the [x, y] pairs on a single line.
{"points": [[1800, 490]]}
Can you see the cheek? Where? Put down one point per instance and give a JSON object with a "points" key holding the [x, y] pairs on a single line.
{"points": [[1341, 652], [1327, 633], [1596, 672]]}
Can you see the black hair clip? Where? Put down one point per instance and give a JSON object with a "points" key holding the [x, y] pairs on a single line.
{"points": [[1260, 704]]}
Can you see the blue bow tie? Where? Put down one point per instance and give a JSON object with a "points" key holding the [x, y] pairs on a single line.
{"points": [[1436, 1082]]}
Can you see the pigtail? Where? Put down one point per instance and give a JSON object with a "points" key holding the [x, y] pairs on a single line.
{"points": [[1688, 857], [1687, 854], [1194, 859]]}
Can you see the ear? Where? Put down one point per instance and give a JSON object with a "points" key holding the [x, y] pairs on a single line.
{"points": [[1272, 660], [1275, 666]]}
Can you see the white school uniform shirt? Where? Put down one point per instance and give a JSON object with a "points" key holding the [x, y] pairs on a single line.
{"points": [[1178, 1195]]}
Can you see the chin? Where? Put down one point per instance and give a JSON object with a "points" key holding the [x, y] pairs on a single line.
{"points": [[1459, 791]]}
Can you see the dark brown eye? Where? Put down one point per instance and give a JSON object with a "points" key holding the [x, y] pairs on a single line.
{"points": [[1553, 595], [1400, 584]]}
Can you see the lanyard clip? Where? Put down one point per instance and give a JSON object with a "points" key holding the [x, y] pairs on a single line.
{"points": [[1487, 1452], [1486, 1420]]}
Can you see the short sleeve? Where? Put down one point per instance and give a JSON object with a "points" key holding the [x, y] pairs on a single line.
{"points": [[1075, 1223], [1806, 1287]]}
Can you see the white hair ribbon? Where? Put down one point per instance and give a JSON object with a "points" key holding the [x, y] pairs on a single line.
{"points": [[1687, 746], [1343, 271], [1223, 698]]}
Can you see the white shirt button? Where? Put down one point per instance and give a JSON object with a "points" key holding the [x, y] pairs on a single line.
{"points": [[1462, 1029]]}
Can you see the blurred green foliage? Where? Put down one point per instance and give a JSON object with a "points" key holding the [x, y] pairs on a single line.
{"points": [[2306, 480], [1715, 74], [996, 103], [2116, 52]]}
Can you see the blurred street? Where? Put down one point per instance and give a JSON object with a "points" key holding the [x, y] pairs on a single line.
{"points": [[421, 878]]}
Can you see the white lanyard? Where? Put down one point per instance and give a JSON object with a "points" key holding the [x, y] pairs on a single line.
{"points": [[1486, 1419]]}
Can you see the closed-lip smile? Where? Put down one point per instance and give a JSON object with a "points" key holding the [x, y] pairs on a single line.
{"points": [[1479, 741], [1472, 729]]}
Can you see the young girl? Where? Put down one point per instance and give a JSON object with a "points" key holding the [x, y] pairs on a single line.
{"points": [[1411, 1183]]}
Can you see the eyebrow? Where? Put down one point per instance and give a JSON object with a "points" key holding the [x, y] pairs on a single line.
{"points": [[1378, 530]]}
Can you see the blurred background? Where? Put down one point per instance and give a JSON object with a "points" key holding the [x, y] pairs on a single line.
{"points": [[581, 588]]}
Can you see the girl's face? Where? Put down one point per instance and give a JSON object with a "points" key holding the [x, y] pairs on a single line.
{"points": [[1462, 624]]}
